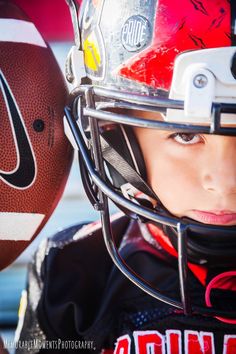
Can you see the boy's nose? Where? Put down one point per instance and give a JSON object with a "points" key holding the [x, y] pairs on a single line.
{"points": [[220, 169]]}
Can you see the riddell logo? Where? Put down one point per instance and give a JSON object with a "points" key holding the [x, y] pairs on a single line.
{"points": [[174, 342], [23, 175]]}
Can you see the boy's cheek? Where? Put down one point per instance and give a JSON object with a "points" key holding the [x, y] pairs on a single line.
{"points": [[176, 188]]}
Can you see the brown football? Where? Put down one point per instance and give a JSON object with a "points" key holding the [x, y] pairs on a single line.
{"points": [[35, 156]]}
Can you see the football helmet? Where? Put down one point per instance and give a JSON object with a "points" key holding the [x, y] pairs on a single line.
{"points": [[157, 57]]}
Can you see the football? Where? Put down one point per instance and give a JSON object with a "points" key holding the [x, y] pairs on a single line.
{"points": [[35, 155]]}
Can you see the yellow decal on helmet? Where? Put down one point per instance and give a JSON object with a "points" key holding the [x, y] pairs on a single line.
{"points": [[92, 55]]}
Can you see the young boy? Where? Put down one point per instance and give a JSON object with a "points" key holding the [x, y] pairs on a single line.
{"points": [[154, 122]]}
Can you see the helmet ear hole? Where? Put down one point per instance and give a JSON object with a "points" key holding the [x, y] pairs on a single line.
{"points": [[123, 140]]}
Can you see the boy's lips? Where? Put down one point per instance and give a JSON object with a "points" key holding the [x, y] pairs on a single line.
{"points": [[216, 217]]}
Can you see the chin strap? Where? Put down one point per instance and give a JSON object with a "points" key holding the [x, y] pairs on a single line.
{"points": [[113, 158]]}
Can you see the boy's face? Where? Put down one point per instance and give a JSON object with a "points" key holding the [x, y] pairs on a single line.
{"points": [[193, 175]]}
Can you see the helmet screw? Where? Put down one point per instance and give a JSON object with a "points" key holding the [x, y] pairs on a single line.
{"points": [[200, 81]]}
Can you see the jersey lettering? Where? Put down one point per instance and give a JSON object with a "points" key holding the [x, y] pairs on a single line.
{"points": [[123, 345], [198, 342], [229, 344], [173, 342], [153, 342], [150, 342]]}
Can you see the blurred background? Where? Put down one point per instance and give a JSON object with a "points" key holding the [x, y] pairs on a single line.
{"points": [[52, 18]]}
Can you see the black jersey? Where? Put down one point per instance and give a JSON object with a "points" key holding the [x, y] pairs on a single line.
{"points": [[79, 302]]}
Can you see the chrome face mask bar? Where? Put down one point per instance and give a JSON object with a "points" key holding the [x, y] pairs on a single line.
{"points": [[99, 188]]}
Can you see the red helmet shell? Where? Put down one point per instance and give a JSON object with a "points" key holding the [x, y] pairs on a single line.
{"points": [[35, 155], [137, 49], [190, 25]]}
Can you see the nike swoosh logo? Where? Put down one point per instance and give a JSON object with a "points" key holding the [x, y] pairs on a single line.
{"points": [[24, 174]]}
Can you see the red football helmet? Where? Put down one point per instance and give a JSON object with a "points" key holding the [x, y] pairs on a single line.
{"points": [[162, 56], [35, 154]]}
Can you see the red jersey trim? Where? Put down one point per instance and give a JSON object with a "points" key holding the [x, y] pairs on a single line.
{"points": [[199, 271]]}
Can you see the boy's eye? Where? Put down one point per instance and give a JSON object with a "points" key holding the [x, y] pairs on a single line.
{"points": [[186, 138]]}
